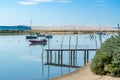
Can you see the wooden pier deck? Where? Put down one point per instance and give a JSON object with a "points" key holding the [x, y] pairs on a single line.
{"points": [[72, 53]]}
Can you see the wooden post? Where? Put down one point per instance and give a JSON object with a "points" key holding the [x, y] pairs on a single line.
{"points": [[48, 61], [71, 58], [76, 50], [55, 57], [58, 57], [74, 60], [69, 51], [61, 57], [50, 56], [47, 56], [42, 61], [87, 56], [84, 57], [76, 42]]}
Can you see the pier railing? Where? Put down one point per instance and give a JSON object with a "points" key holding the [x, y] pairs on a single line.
{"points": [[72, 53]]}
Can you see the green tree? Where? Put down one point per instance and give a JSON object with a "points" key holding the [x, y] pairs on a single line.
{"points": [[107, 58]]}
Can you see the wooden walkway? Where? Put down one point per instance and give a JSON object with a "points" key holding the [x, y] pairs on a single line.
{"points": [[72, 53]]}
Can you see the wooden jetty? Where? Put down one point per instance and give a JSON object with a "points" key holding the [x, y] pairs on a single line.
{"points": [[72, 53]]}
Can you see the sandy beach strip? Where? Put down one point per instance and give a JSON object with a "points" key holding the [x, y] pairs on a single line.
{"points": [[84, 73], [72, 29], [67, 28]]}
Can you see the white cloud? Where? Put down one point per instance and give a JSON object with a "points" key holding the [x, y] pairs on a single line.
{"points": [[27, 3], [64, 1], [100, 2], [35, 2]]}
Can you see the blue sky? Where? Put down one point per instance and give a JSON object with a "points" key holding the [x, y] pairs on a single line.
{"points": [[60, 12]]}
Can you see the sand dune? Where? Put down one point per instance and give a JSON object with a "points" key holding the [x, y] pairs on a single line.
{"points": [[72, 28]]}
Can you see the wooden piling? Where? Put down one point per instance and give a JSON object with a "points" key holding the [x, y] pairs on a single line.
{"points": [[55, 57], [87, 56], [84, 57], [61, 57], [72, 56], [47, 56], [50, 56], [58, 57]]}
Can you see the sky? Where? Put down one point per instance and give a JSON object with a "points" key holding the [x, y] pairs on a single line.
{"points": [[60, 12]]}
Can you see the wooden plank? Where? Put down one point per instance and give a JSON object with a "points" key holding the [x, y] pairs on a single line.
{"points": [[70, 49], [62, 65]]}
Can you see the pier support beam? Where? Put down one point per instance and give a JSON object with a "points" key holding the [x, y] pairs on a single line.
{"points": [[56, 59], [84, 57], [47, 56]]}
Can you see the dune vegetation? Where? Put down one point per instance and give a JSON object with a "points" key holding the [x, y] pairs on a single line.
{"points": [[107, 58]]}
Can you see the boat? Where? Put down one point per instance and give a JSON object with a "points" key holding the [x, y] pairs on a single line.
{"points": [[38, 34], [42, 41], [41, 35], [49, 36], [31, 37]]}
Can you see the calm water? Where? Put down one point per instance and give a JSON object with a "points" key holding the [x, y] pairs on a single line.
{"points": [[21, 61]]}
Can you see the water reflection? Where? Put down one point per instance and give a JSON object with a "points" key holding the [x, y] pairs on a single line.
{"points": [[21, 60], [42, 44], [42, 60]]}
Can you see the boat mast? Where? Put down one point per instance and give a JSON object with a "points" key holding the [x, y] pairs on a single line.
{"points": [[30, 27], [30, 23]]}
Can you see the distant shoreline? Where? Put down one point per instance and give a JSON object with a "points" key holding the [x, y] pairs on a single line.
{"points": [[72, 29], [61, 30]]}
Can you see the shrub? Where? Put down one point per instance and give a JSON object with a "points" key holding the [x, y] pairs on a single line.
{"points": [[107, 58]]}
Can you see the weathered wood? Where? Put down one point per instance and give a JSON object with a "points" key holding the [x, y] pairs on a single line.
{"points": [[61, 57], [63, 65], [55, 57], [87, 56], [70, 49], [72, 56], [58, 57], [84, 57], [47, 56], [50, 56]]}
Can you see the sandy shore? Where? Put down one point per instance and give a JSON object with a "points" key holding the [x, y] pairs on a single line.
{"points": [[71, 27], [84, 73]]}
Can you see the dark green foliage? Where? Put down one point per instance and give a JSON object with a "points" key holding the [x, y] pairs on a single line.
{"points": [[107, 58]]}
